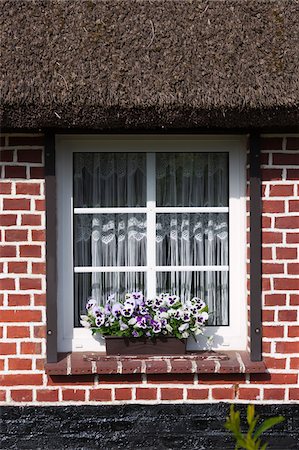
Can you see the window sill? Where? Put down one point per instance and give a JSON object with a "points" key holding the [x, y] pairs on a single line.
{"points": [[80, 363]]}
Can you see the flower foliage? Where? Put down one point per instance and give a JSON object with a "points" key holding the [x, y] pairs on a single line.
{"points": [[136, 316]]}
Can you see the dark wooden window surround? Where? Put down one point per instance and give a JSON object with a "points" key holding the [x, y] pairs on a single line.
{"points": [[193, 362]]}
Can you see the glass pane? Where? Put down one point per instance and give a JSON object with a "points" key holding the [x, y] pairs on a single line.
{"points": [[192, 179], [212, 287], [196, 239], [110, 240], [101, 285], [109, 179]]}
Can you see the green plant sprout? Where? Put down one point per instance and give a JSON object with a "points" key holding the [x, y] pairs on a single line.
{"points": [[251, 440]]}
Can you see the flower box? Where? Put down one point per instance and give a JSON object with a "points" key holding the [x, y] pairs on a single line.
{"points": [[145, 346]]}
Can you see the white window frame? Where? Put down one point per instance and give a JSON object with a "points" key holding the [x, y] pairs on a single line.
{"points": [[231, 337]]}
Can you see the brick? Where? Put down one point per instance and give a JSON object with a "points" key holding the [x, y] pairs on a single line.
{"points": [[294, 394], [286, 159], [39, 299], [18, 300], [40, 205], [2, 396], [223, 378], [18, 332], [294, 205], [5, 188], [266, 347], [292, 143], [77, 395], [171, 394], [275, 363], [287, 315], [19, 364], [287, 347], [288, 284], [266, 253], [286, 253], [249, 393], [268, 315], [15, 172], [37, 173], [27, 156], [131, 378], [275, 299], [40, 331], [20, 316], [31, 348], [7, 348], [17, 267], [273, 143], [47, 395], [293, 174], [16, 235], [294, 363], [292, 238], [100, 395], [38, 235], [6, 155], [294, 299], [31, 219], [273, 378], [293, 268], [293, 331], [273, 332], [17, 204], [21, 395], [266, 222], [271, 174], [8, 220], [28, 188], [123, 394], [268, 268], [287, 222], [23, 379], [39, 268], [271, 237], [273, 206], [197, 394], [30, 251], [7, 284], [26, 140], [40, 364], [274, 394], [8, 251], [30, 284], [282, 190], [146, 394], [223, 393]]}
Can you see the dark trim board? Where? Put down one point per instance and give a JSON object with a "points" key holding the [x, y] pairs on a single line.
{"points": [[146, 427]]}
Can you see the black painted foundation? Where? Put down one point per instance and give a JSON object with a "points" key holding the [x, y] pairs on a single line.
{"points": [[167, 426]]}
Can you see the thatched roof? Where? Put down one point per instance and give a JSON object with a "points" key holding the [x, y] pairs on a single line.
{"points": [[149, 63]]}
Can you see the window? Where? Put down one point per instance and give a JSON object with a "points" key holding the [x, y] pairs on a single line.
{"points": [[153, 214]]}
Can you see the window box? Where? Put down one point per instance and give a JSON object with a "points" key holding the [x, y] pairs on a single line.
{"points": [[144, 346]]}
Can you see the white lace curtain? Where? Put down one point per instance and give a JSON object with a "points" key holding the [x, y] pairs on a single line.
{"points": [[188, 239]]}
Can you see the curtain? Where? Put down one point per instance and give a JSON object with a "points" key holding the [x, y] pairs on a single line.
{"points": [[182, 239]]}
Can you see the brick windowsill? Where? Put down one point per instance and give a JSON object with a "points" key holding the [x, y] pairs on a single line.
{"points": [[80, 363]]}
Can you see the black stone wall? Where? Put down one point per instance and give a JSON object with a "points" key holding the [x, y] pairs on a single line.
{"points": [[167, 426]]}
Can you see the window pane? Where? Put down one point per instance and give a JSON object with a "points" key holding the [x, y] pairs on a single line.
{"points": [[192, 179], [109, 179], [110, 240], [196, 239], [101, 285], [212, 287]]}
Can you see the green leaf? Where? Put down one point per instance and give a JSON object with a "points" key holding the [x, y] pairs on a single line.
{"points": [[264, 446], [250, 414], [268, 423]]}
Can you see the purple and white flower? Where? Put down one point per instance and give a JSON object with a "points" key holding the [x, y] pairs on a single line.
{"points": [[127, 310], [100, 320], [91, 303], [156, 326], [116, 310]]}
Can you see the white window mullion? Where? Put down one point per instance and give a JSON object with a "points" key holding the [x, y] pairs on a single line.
{"points": [[151, 223]]}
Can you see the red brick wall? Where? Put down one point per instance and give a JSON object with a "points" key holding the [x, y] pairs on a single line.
{"points": [[22, 294]]}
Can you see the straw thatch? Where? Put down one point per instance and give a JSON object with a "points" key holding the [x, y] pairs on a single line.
{"points": [[149, 63]]}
